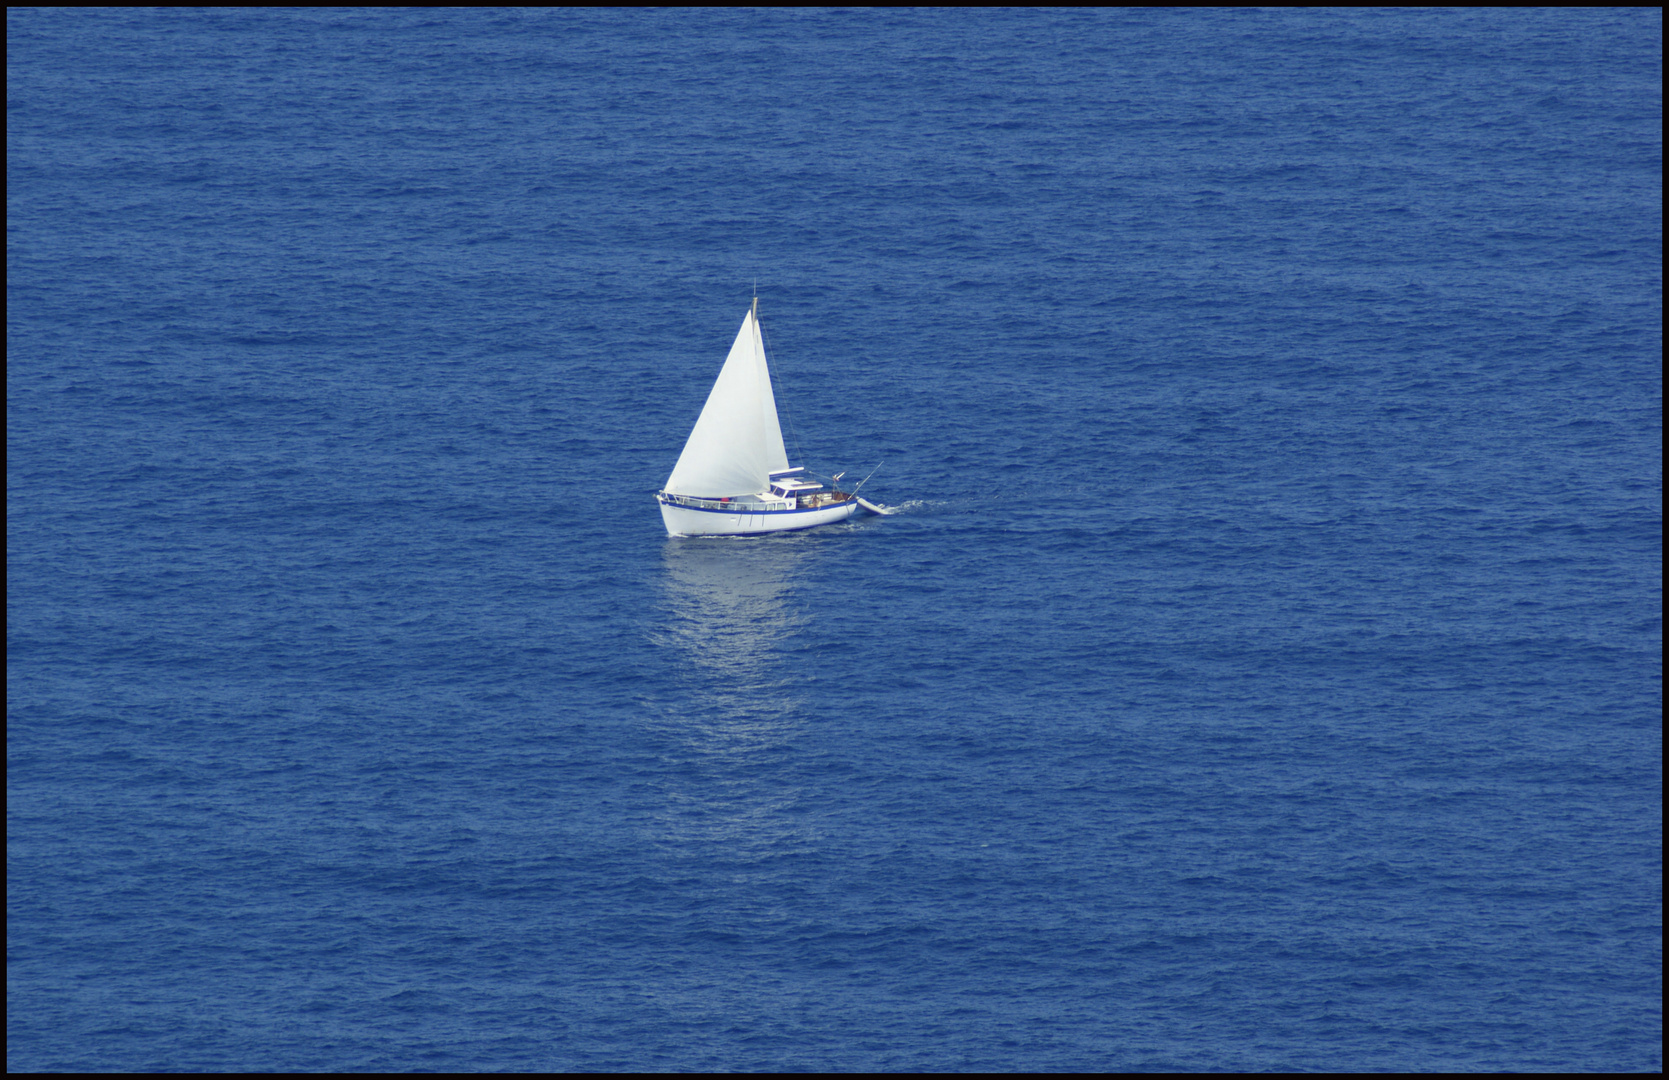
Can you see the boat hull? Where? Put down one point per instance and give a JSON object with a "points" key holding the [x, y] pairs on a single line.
{"points": [[690, 521]]}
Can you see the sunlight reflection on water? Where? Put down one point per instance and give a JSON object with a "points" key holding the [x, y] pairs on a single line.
{"points": [[730, 607]]}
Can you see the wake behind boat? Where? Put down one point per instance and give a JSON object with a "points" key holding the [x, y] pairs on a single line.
{"points": [[733, 478]]}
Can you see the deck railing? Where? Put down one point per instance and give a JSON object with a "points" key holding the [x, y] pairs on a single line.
{"points": [[740, 506], [804, 502]]}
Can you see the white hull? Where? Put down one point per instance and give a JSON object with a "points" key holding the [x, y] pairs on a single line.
{"points": [[686, 521]]}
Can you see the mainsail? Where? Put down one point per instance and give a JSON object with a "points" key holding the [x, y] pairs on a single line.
{"points": [[737, 442]]}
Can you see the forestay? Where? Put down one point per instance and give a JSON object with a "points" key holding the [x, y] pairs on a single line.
{"points": [[737, 442]]}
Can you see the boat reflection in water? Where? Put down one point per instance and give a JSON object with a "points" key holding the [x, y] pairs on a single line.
{"points": [[732, 745], [730, 614]]}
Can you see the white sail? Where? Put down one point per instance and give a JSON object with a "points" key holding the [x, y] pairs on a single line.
{"points": [[737, 442]]}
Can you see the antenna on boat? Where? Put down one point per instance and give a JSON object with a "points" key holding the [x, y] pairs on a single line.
{"points": [[865, 480]]}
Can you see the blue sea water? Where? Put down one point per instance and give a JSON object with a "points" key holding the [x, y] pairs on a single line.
{"points": [[1262, 671]]}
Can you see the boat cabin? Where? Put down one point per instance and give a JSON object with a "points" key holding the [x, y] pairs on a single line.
{"points": [[804, 490], [792, 483]]}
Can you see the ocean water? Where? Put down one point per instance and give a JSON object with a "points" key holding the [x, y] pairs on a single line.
{"points": [[1263, 669]]}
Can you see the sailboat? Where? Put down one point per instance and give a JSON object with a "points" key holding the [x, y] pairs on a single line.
{"points": [[733, 478]]}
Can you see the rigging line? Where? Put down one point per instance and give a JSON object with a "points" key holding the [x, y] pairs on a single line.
{"points": [[782, 402], [865, 480]]}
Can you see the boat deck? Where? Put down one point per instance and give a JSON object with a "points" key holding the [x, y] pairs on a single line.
{"points": [[759, 504]]}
